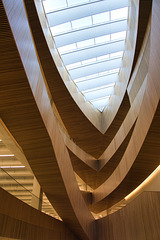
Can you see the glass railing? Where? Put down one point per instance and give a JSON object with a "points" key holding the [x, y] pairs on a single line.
{"points": [[21, 187]]}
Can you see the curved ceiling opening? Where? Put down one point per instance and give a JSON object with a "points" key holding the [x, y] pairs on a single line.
{"points": [[90, 37]]}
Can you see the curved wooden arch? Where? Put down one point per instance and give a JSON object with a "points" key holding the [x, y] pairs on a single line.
{"points": [[91, 139], [30, 113], [17, 221], [92, 146], [150, 112], [113, 154], [137, 173], [37, 131]]}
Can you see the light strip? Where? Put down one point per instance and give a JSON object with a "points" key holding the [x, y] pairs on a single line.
{"points": [[12, 166], [6, 155], [143, 183]]}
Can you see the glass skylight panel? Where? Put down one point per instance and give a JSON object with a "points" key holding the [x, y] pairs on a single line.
{"points": [[97, 75], [104, 92], [91, 8], [80, 79], [116, 70], [90, 32], [119, 14], [101, 18], [118, 35], [102, 39], [94, 60], [82, 22], [90, 37], [92, 76], [99, 88], [91, 60], [97, 82], [116, 54], [95, 68], [50, 5], [101, 58], [74, 65], [85, 43], [67, 48], [101, 103], [97, 50], [75, 2], [62, 28]]}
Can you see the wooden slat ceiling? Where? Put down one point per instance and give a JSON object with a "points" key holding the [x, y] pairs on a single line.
{"points": [[18, 180]]}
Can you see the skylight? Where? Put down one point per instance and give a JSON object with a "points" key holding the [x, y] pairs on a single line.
{"points": [[90, 37]]}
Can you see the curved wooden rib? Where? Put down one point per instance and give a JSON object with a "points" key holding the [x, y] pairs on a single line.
{"points": [[137, 86], [144, 145], [139, 74], [111, 156], [95, 178], [138, 220], [80, 129], [109, 160], [37, 130], [92, 178], [92, 146], [141, 68], [82, 155], [21, 221], [144, 133], [148, 157], [145, 7], [125, 127], [48, 165]]}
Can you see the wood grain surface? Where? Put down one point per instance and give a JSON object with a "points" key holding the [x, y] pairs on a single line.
{"points": [[60, 136], [19, 220], [138, 220]]}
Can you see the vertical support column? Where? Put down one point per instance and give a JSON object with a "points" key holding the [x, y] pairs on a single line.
{"points": [[36, 200]]}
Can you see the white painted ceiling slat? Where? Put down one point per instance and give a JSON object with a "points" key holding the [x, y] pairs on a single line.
{"points": [[92, 52], [97, 82], [95, 68], [81, 11], [91, 32]]}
